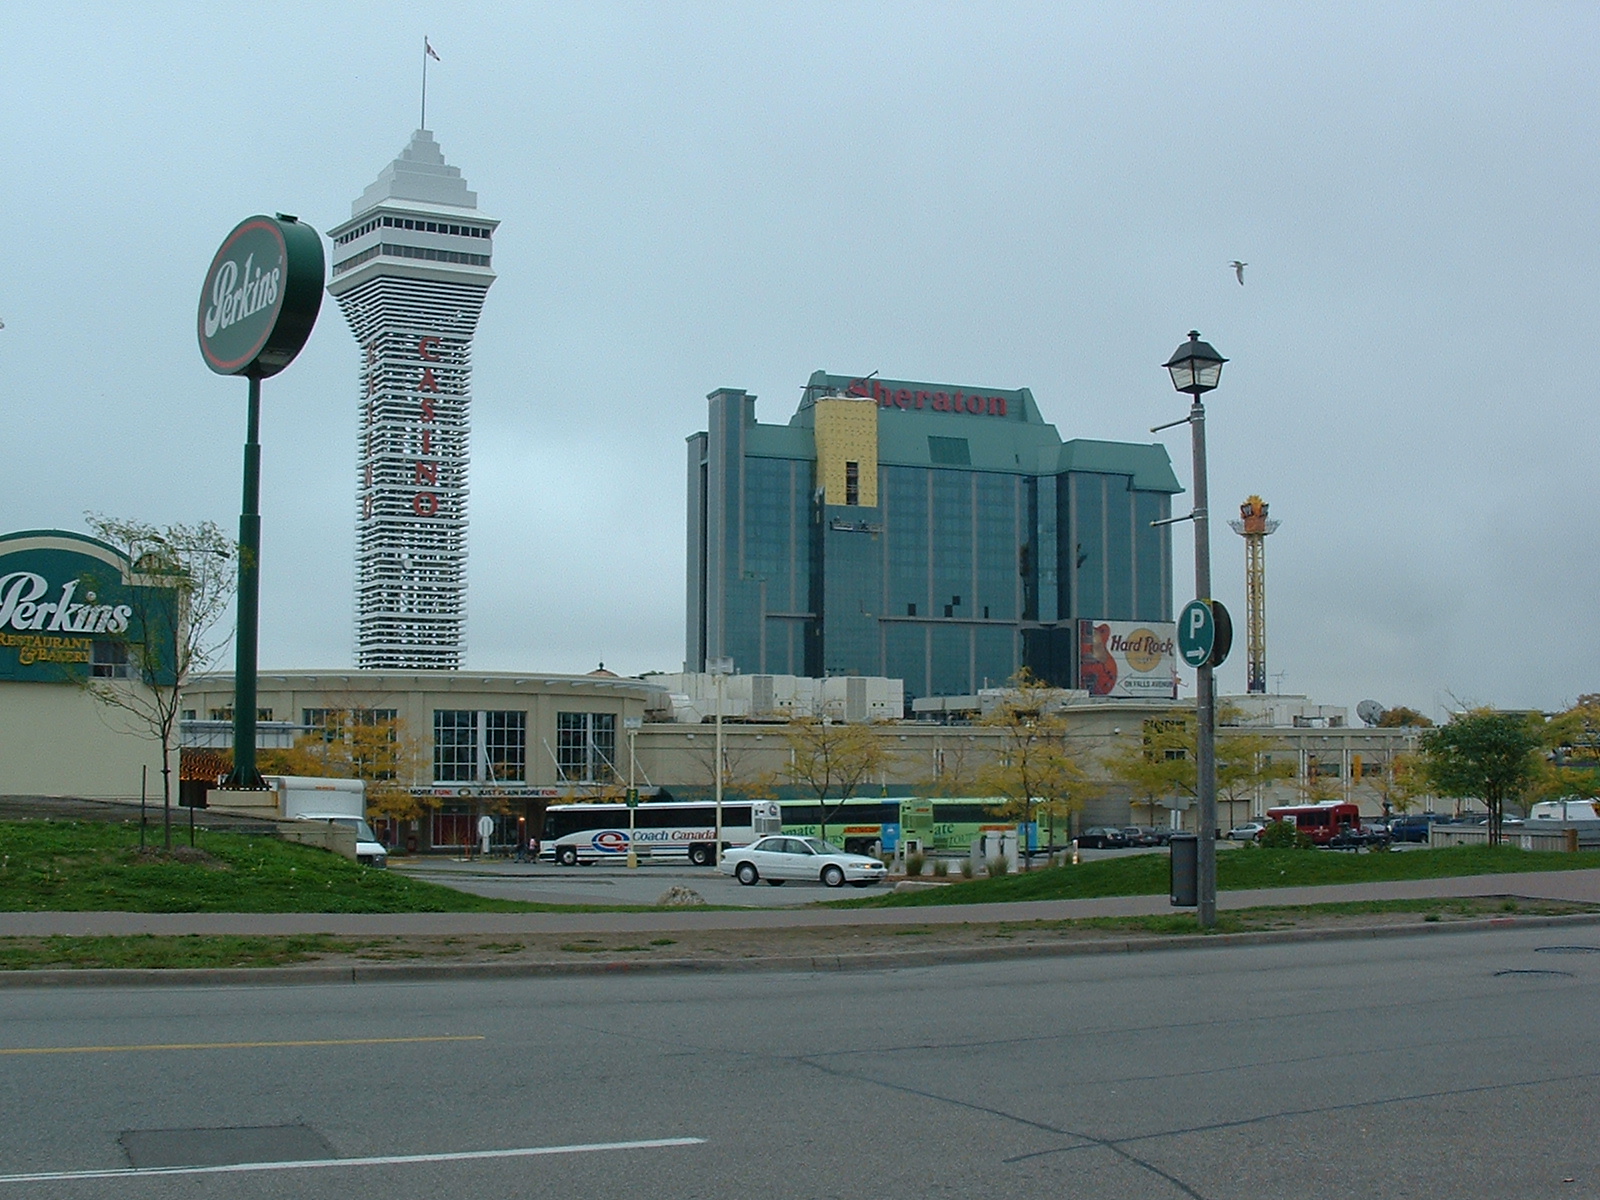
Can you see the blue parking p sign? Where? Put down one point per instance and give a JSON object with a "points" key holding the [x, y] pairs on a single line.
{"points": [[1197, 633]]}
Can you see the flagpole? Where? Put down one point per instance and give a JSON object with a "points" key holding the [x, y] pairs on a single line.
{"points": [[424, 124]]}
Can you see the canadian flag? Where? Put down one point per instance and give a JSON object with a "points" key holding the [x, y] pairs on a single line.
{"points": [[431, 52]]}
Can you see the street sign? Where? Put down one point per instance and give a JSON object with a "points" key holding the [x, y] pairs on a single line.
{"points": [[485, 826], [1197, 632], [633, 797]]}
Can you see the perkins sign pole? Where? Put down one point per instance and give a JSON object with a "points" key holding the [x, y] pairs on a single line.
{"points": [[259, 303]]}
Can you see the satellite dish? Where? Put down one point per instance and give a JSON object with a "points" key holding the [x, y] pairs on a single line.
{"points": [[1370, 711]]}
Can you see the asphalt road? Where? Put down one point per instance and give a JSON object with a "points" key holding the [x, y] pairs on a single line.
{"points": [[1460, 1066]]}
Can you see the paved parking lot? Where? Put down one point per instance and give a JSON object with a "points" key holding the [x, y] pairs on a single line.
{"points": [[615, 883], [611, 883]]}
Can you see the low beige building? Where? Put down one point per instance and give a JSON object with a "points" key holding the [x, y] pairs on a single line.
{"points": [[510, 743]]}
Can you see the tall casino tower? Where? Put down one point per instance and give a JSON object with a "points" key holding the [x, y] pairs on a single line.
{"points": [[411, 268]]}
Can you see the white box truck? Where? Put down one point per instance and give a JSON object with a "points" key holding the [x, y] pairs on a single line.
{"points": [[339, 801]]}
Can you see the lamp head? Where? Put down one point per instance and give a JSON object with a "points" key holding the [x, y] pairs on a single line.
{"points": [[1195, 366]]}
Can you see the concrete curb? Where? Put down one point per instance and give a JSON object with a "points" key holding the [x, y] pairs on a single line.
{"points": [[878, 961]]}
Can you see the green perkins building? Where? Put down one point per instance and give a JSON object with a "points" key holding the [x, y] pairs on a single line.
{"points": [[76, 617], [941, 535]]}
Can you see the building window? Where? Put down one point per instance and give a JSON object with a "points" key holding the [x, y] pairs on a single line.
{"points": [[455, 746], [109, 660], [911, 610], [226, 714], [852, 483], [371, 756], [321, 721], [480, 747], [505, 744], [586, 747]]}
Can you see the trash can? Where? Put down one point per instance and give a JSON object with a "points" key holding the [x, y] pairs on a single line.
{"points": [[1185, 889]]}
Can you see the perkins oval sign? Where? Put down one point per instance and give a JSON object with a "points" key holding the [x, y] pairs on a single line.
{"points": [[261, 297]]}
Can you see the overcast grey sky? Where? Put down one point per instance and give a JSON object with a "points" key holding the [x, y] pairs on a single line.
{"points": [[1014, 195]]}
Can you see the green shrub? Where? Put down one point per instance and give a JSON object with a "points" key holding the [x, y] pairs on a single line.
{"points": [[941, 868], [998, 866], [914, 864], [1281, 835], [966, 868]]}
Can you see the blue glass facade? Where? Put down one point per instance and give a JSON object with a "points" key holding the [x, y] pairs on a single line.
{"points": [[989, 538]]}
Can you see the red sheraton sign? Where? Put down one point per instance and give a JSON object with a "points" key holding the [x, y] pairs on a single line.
{"points": [[889, 396]]}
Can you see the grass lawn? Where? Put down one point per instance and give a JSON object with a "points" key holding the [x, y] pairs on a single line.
{"points": [[165, 953], [86, 866], [1238, 870]]}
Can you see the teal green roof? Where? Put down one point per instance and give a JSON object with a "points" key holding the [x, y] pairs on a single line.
{"points": [[992, 444], [779, 441], [1147, 463]]}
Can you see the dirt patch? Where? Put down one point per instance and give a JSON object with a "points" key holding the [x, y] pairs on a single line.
{"points": [[189, 856]]}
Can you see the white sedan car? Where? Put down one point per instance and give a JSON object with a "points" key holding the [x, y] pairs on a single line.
{"points": [[780, 859]]}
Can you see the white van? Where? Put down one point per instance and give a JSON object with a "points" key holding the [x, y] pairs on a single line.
{"points": [[306, 798], [1569, 809], [369, 850]]}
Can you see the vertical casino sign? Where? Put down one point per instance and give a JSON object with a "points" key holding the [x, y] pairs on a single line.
{"points": [[258, 305]]}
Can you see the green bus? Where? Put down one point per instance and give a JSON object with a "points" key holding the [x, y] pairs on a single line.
{"points": [[870, 824]]}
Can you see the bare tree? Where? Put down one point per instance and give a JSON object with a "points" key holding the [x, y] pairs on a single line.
{"points": [[182, 582], [953, 767], [832, 760]]}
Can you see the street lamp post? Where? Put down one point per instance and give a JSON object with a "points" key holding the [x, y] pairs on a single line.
{"points": [[1196, 369], [631, 724], [721, 668]]}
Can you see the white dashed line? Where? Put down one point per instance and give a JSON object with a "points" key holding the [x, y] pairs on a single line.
{"points": [[387, 1160]]}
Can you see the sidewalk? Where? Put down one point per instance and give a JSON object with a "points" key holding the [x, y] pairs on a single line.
{"points": [[1582, 887]]}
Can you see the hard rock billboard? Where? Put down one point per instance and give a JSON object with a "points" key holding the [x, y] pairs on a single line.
{"points": [[1128, 659]]}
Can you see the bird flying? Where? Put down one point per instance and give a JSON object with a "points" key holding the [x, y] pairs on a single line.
{"points": [[1238, 269]]}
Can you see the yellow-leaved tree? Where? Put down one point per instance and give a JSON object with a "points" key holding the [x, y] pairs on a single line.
{"points": [[368, 744], [1161, 766], [1032, 772]]}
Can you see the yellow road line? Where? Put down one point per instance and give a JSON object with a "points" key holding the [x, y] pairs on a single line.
{"points": [[394, 1041]]}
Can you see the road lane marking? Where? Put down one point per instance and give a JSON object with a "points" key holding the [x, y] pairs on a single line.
{"points": [[394, 1041], [386, 1160]]}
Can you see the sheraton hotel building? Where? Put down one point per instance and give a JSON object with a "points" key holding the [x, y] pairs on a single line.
{"points": [[938, 534]]}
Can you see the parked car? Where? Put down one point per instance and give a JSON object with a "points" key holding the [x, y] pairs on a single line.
{"points": [[1250, 831], [1102, 837], [1413, 827], [780, 859], [1354, 839], [1137, 835]]}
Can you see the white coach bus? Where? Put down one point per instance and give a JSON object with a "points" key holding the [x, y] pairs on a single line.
{"points": [[669, 829]]}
